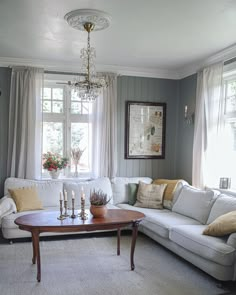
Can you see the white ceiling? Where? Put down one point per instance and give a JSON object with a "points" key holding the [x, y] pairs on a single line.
{"points": [[167, 38]]}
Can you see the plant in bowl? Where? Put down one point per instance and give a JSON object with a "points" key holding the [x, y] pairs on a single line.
{"points": [[98, 201]]}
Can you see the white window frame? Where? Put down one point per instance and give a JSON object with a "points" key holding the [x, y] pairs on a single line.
{"points": [[66, 118]]}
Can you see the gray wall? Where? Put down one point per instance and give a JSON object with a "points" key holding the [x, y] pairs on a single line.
{"points": [[179, 135], [5, 76], [187, 96], [152, 90]]}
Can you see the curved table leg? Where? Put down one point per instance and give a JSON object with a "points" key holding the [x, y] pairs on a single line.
{"points": [[118, 241], [134, 237], [36, 253]]}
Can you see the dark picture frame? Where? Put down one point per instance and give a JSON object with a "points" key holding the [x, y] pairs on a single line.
{"points": [[145, 130]]}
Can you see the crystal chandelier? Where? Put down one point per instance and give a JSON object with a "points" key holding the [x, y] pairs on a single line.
{"points": [[88, 84]]}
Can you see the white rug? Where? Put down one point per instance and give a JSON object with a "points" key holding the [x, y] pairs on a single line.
{"points": [[90, 266]]}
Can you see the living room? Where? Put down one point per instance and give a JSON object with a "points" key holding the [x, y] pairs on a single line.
{"points": [[159, 55]]}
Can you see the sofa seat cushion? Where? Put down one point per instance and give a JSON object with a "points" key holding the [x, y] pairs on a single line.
{"points": [[145, 211], [191, 238], [160, 221], [8, 221]]}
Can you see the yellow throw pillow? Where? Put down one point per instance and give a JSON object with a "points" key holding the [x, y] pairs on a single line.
{"points": [[150, 195], [26, 199], [223, 225], [171, 185]]}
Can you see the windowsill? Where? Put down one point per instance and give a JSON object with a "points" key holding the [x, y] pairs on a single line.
{"points": [[230, 191], [64, 178]]}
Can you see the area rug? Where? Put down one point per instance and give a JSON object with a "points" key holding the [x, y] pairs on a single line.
{"points": [[90, 266]]}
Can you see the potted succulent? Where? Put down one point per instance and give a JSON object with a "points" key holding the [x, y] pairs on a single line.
{"points": [[98, 201]]}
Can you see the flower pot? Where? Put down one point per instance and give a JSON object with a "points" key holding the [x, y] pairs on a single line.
{"points": [[54, 173], [98, 211]]}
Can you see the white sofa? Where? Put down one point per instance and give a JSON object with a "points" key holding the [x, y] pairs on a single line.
{"points": [[178, 229]]}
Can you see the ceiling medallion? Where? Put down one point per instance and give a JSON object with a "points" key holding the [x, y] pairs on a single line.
{"points": [[88, 84]]}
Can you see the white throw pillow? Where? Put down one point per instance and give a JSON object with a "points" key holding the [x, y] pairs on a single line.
{"points": [[195, 203]]}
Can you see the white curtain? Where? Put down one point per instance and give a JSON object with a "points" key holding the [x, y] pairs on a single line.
{"points": [[208, 126], [24, 137], [104, 130]]}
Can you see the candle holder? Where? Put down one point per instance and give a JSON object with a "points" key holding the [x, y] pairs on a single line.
{"points": [[73, 209], [65, 206], [83, 214], [61, 217]]}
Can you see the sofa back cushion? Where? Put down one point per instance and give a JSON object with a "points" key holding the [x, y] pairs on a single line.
{"points": [[48, 190], [120, 187], [222, 205], [195, 203], [102, 183]]}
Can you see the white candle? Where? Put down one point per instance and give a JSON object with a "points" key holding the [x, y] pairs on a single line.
{"points": [[61, 196], [65, 195], [73, 194], [82, 193], [185, 111]]}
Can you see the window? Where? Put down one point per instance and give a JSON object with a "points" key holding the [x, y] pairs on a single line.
{"points": [[229, 134], [66, 125]]}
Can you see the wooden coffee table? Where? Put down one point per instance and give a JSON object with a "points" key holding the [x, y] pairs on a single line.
{"points": [[37, 223]]}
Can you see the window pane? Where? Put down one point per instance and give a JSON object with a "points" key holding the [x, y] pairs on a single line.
{"points": [[53, 137], [75, 107], [47, 93], [80, 139], [57, 93], [57, 107], [47, 106], [85, 107], [231, 97]]}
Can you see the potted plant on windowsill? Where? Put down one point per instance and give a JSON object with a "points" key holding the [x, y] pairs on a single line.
{"points": [[54, 163], [98, 201]]}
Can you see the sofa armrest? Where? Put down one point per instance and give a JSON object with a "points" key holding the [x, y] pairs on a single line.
{"points": [[232, 240], [7, 206]]}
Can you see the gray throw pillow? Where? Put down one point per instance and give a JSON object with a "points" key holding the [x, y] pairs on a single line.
{"points": [[132, 193]]}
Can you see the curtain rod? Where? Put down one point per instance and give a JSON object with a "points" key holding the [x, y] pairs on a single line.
{"points": [[64, 73], [229, 61]]}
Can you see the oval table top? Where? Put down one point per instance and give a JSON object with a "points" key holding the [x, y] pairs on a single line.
{"points": [[49, 219]]}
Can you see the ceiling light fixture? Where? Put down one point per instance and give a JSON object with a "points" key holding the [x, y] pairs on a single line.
{"points": [[88, 83]]}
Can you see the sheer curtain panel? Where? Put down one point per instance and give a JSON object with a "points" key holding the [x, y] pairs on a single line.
{"points": [[104, 131], [24, 137], [208, 126]]}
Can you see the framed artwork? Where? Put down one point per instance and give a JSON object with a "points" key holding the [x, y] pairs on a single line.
{"points": [[145, 130]]}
